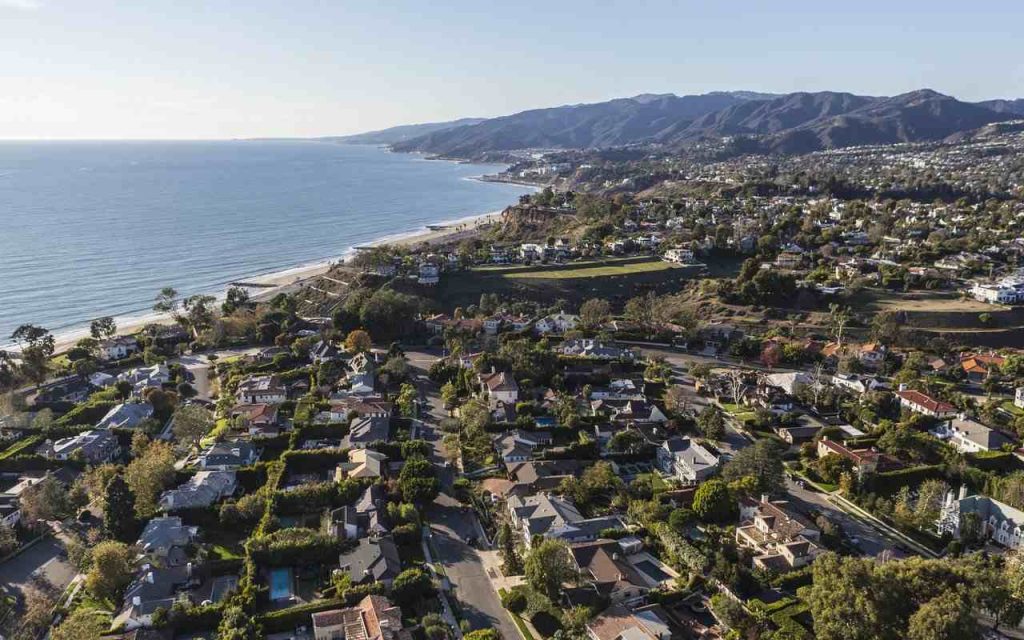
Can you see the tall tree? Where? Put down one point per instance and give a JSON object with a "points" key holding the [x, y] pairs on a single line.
{"points": [[191, 424], [548, 566], [112, 569], [594, 313], [714, 503], [149, 474], [119, 510], [103, 328], [358, 341], [37, 345], [83, 624]]}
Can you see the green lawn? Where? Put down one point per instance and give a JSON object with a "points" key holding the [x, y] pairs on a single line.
{"points": [[1012, 408], [221, 552]]}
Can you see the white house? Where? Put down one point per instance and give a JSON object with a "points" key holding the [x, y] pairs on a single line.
{"points": [[1018, 398], [996, 521], [556, 323], [267, 389], [682, 256], [686, 460], [970, 436], [429, 274], [926, 405], [499, 387], [118, 348]]}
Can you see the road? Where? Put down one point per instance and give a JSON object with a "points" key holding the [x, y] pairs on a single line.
{"points": [[450, 524], [199, 367], [44, 560]]}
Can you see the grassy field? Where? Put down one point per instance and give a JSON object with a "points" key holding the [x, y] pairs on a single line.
{"points": [[592, 270], [878, 300]]}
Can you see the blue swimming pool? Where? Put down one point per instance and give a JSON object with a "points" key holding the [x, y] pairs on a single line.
{"points": [[652, 570], [281, 584]]}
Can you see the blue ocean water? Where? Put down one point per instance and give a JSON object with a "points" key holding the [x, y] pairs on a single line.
{"points": [[89, 229]]}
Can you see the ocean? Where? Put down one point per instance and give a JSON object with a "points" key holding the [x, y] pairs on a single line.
{"points": [[91, 229]]}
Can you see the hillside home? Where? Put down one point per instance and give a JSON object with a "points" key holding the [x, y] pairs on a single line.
{"points": [[130, 415], [164, 540], [262, 389], [686, 460], [552, 516], [117, 348], [556, 324], [224, 456], [374, 618], [499, 387], [202, 490], [970, 436], [924, 404], [93, 447]]}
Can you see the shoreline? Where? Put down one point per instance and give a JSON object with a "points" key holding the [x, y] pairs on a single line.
{"points": [[272, 283]]}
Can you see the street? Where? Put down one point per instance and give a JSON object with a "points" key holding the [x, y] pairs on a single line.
{"points": [[44, 560], [452, 525]]}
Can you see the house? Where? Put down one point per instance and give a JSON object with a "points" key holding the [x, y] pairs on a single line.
{"points": [[979, 367], [374, 618], [781, 539], [590, 348], [535, 476], [1018, 397], [155, 588], [342, 409], [629, 411], [429, 274], [142, 378], [970, 436], [10, 506], [556, 324], [164, 539], [202, 490], [129, 415], [93, 447], [686, 460], [117, 348], [260, 420], [621, 623], [681, 256], [790, 382], [324, 351], [223, 456], [924, 404], [499, 387], [493, 324], [374, 559], [864, 460], [365, 431], [518, 445], [263, 389], [552, 516], [857, 383], [368, 516], [871, 355], [362, 463], [994, 520], [602, 564]]}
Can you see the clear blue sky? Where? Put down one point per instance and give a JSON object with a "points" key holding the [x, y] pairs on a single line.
{"points": [[218, 69]]}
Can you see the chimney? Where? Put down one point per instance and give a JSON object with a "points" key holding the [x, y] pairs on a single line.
{"points": [[764, 498], [963, 492]]}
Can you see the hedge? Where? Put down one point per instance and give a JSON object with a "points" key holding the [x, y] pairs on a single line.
{"points": [[891, 481], [32, 462], [289, 547], [314, 460], [88, 413], [993, 460], [309, 498], [292, 617]]}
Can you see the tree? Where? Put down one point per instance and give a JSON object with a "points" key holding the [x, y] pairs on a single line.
{"points": [[482, 634], [112, 569], [236, 298], [548, 566], [167, 302], [119, 510], [199, 312], [712, 423], [594, 313], [449, 395], [417, 481], [712, 502], [191, 424], [945, 617], [513, 564], [358, 341], [761, 461], [408, 398], [844, 601], [410, 586], [103, 328], [236, 624], [8, 540], [82, 624], [625, 441], [37, 345], [149, 474], [676, 399], [839, 317], [45, 500], [37, 612]]}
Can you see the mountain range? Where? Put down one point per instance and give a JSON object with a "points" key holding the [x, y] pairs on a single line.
{"points": [[768, 123]]}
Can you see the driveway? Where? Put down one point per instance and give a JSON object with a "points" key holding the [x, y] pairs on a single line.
{"points": [[477, 600], [43, 560]]}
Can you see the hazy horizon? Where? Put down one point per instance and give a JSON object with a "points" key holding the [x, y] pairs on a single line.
{"points": [[105, 70]]}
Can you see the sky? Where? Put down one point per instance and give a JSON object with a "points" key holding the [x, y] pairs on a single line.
{"points": [[208, 69]]}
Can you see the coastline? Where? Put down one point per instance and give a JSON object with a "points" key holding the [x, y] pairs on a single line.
{"points": [[287, 280]]}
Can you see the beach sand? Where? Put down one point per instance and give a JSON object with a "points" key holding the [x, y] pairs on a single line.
{"points": [[287, 281]]}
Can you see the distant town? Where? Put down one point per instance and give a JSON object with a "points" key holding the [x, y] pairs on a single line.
{"points": [[669, 395]]}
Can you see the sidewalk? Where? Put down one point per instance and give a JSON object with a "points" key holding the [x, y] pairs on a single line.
{"points": [[442, 595]]}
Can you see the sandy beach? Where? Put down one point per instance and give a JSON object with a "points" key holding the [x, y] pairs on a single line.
{"points": [[270, 284]]}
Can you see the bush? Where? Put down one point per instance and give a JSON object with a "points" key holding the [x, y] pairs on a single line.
{"points": [[514, 600], [546, 623]]}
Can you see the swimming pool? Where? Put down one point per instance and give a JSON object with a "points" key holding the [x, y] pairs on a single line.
{"points": [[652, 570], [281, 584]]}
